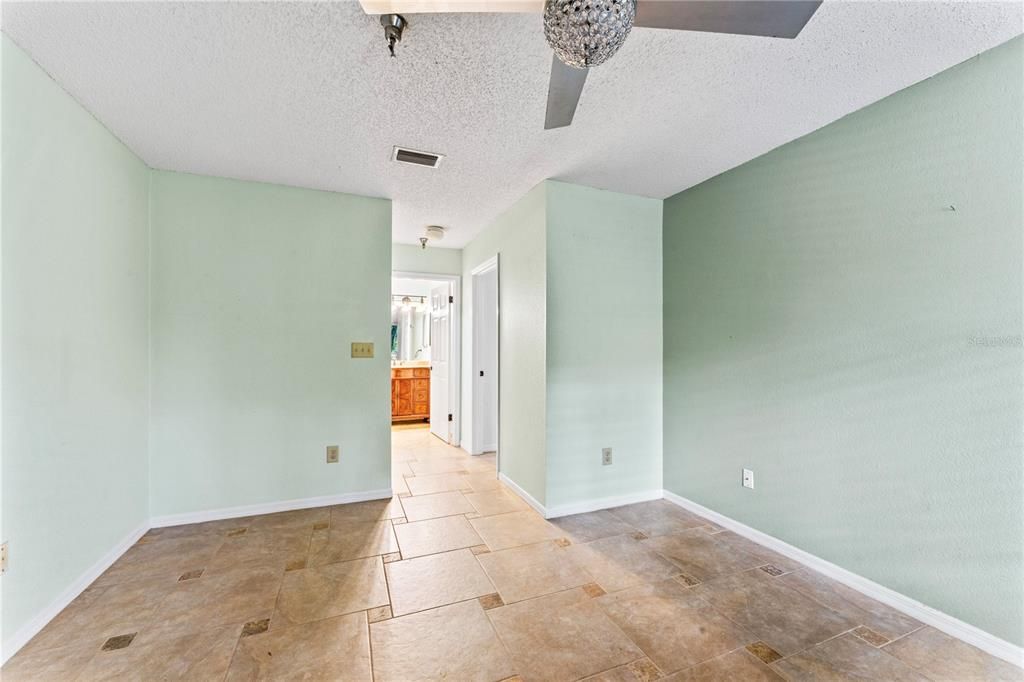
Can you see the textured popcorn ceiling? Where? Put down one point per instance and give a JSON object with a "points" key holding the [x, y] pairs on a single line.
{"points": [[305, 94]]}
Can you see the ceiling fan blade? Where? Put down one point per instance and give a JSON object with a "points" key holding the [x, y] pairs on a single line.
{"points": [[439, 6], [563, 93], [771, 18]]}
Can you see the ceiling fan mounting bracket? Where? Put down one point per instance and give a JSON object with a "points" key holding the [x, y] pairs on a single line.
{"points": [[394, 25]]}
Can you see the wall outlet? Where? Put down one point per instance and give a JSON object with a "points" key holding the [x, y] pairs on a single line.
{"points": [[333, 451], [606, 456], [362, 349], [748, 478], [3, 558]]}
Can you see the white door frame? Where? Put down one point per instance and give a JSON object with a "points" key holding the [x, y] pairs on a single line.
{"points": [[455, 343], [475, 436]]}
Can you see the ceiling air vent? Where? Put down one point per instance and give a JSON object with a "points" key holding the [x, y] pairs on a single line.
{"points": [[417, 158]]}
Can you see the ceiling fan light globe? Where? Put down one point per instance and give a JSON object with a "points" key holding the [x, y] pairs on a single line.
{"points": [[585, 33]]}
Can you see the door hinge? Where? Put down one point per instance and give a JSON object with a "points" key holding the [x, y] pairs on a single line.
{"points": [[451, 299], [449, 416]]}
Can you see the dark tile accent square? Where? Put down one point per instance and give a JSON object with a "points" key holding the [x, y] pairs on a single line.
{"points": [[190, 575], [321, 525], [295, 565], [689, 581], [870, 636], [480, 549], [255, 627], [593, 590], [771, 570], [644, 670], [392, 557], [236, 531], [764, 652], [491, 601], [400, 520], [563, 542], [378, 614], [118, 642]]}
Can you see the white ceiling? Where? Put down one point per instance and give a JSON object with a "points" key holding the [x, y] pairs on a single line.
{"points": [[305, 94]]}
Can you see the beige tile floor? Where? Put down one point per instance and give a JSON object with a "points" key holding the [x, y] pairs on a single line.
{"points": [[456, 578]]}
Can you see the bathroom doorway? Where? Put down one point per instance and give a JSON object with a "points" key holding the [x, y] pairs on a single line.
{"points": [[425, 355]]}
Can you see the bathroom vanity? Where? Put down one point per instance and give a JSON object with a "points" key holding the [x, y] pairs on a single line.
{"points": [[410, 393]]}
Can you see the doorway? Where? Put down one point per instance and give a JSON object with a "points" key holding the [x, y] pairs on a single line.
{"points": [[425, 353], [485, 372]]}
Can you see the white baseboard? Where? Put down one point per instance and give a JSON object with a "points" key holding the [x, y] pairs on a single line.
{"points": [[937, 619], [579, 507], [267, 508], [32, 628], [527, 497], [602, 503]]}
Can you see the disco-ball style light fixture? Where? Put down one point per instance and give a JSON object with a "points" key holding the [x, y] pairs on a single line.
{"points": [[585, 33]]}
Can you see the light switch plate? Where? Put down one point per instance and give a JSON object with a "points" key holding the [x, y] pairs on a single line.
{"points": [[606, 456], [333, 453], [362, 349]]}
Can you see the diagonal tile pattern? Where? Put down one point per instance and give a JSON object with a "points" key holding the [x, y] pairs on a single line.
{"points": [[456, 578]]}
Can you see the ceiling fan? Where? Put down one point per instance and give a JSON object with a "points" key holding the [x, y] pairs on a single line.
{"points": [[586, 33]]}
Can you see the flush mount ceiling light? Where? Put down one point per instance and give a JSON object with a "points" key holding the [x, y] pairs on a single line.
{"points": [[585, 33], [433, 232]]}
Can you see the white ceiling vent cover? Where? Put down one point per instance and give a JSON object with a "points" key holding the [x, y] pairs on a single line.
{"points": [[417, 158]]}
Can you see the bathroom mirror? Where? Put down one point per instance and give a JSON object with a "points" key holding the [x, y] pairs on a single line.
{"points": [[410, 328]]}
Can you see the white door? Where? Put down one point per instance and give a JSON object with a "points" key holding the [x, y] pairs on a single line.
{"points": [[486, 345], [440, 324]]}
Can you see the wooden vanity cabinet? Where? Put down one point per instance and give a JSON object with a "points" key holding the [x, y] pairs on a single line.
{"points": [[410, 393]]}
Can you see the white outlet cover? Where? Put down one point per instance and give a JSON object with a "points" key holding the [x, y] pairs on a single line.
{"points": [[748, 478]]}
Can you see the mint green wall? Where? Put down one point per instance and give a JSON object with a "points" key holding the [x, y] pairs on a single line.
{"points": [[604, 344], [518, 235], [832, 324], [581, 342], [75, 340], [258, 292], [433, 260]]}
